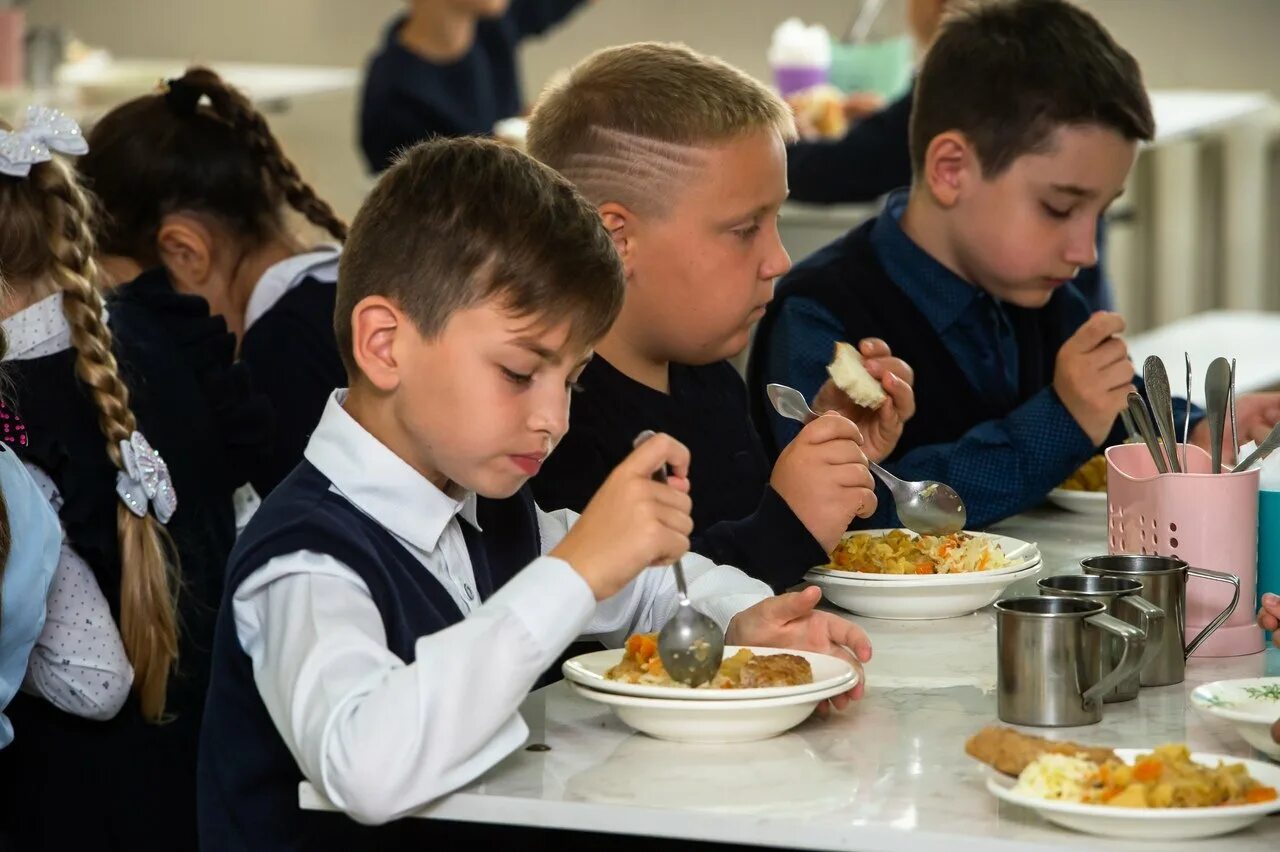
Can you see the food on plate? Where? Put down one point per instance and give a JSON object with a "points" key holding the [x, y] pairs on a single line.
{"points": [[744, 670], [849, 374], [1165, 778], [822, 109], [1010, 752], [900, 552], [1092, 476]]}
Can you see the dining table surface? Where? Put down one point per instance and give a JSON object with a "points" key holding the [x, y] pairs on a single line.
{"points": [[889, 773]]}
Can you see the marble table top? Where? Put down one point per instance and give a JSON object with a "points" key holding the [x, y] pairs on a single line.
{"points": [[890, 773]]}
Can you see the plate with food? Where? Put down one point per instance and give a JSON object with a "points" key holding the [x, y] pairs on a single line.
{"points": [[903, 556], [1085, 491], [1162, 793], [1251, 705], [745, 673], [928, 598], [740, 721]]}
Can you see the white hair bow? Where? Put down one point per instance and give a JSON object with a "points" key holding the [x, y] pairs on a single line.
{"points": [[46, 130], [145, 480]]}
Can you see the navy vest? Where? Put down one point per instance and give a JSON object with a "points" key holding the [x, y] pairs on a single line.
{"points": [[847, 279], [292, 357], [248, 780]]}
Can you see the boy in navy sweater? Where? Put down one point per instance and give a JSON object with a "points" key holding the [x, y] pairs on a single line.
{"points": [[1026, 123], [683, 156], [448, 68], [397, 596]]}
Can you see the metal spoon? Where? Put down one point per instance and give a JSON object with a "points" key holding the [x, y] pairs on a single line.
{"points": [[1217, 390], [1231, 401], [1138, 409], [1264, 449], [929, 508], [690, 645], [1186, 417], [1157, 382]]}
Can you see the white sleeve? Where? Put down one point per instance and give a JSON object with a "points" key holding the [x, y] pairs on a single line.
{"points": [[79, 663], [378, 736], [647, 602]]}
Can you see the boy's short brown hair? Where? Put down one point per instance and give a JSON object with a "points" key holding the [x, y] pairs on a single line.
{"points": [[627, 123], [456, 222], [1008, 73]]}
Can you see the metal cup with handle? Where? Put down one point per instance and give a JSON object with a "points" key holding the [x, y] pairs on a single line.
{"points": [[1164, 583], [1123, 600], [1049, 660]]}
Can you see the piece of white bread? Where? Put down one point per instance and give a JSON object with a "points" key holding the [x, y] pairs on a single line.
{"points": [[847, 371]]}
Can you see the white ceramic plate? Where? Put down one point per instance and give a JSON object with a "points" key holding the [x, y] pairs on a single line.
{"points": [[1148, 823], [944, 597], [588, 670], [1251, 705], [1084, 502], [713, 721], [1023, 553]]}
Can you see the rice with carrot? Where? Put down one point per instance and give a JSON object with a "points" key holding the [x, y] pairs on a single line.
{"points": [[900, 552]]}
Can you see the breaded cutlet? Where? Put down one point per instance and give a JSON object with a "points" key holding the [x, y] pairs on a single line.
{"points": [[776, 670], [1010, 752]]}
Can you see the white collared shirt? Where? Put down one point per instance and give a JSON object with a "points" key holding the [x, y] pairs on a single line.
{"points": [[380, 738], [37, 330], [320, 263]]}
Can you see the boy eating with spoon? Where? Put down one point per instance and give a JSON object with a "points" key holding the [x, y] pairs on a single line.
{"points": [[396, 597]]}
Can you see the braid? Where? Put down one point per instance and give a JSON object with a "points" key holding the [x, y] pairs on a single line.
{"points": [[234, 108], [148, 565]]}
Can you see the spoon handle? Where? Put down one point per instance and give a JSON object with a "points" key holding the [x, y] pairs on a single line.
{"points": [[660, 475], [1264, 449], [1138, 409]]}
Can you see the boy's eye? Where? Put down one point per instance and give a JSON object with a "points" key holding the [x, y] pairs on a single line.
{"points": [[748, 233], [516, 378], [1054, 212]]}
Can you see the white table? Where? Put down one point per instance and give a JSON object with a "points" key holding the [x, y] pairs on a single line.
{"points": [[889, 774], [90, 89]]}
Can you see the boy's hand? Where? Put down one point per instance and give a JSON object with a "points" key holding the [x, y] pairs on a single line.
{"points": [[1094, 376], [790, 621], [822, 475], [1256, 413], [882, 427], [1269, 617], [632, 522]]}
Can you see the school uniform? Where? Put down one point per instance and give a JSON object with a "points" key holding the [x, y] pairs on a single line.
{"points": [[873, 158], [124, 783], [988, 421], [738, 518], [291, 354], [378, 636], [408, 98]]}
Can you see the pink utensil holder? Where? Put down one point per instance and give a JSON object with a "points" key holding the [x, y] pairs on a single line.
{"points": [[1207, 520]]}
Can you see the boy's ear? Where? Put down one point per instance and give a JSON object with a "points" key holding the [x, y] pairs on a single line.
{"points": [[377, 325], [184, 245], [950, 162], [620, 223]]}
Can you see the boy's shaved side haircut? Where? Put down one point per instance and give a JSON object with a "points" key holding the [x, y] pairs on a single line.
{"points": [[1008, 73], [456, 222], [631, 124]]}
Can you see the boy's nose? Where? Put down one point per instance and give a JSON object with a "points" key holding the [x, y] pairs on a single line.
{"points": [[777, 262], [1082, 247], [552, 418]]}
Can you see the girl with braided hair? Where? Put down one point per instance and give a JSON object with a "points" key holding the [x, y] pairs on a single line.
{"points": [[118, 426], [194, 185]]}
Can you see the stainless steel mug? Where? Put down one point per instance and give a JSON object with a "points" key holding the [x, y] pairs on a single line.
{"points": [[1049, 660], [1123, 600], [1164, 583]]}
